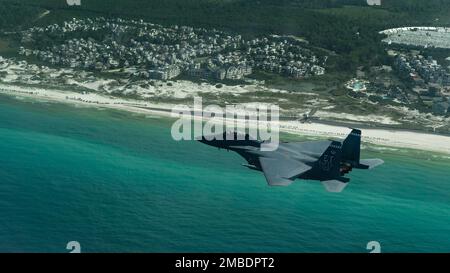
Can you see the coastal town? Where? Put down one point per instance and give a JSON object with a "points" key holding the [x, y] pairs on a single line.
{"points": [[163, 53], [414, 77], [139, 60], [430, 81], [413, 80]]}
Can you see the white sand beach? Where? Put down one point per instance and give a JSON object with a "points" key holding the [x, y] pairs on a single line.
{"points": [[390, 138]]}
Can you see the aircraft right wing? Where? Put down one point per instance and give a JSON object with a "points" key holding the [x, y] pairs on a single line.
{"points": [[282, 172]]}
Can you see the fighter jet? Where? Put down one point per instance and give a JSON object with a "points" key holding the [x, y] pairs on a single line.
{"points": [[325, 161]]}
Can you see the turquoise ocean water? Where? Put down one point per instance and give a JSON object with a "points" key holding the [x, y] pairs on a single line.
{"points": [[117, 182]]}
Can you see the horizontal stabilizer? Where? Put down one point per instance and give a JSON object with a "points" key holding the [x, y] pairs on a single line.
{"points": [[369, 163], [334, 185]]}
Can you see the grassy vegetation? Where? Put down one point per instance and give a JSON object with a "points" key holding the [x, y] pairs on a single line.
{"points": [[14, 14], [4, 46]]}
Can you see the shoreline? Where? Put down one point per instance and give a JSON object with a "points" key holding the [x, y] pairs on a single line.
{"points": [[383, 137]]}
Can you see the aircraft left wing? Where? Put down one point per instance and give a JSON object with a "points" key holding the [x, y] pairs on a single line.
{"points": [[282, 172]]}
